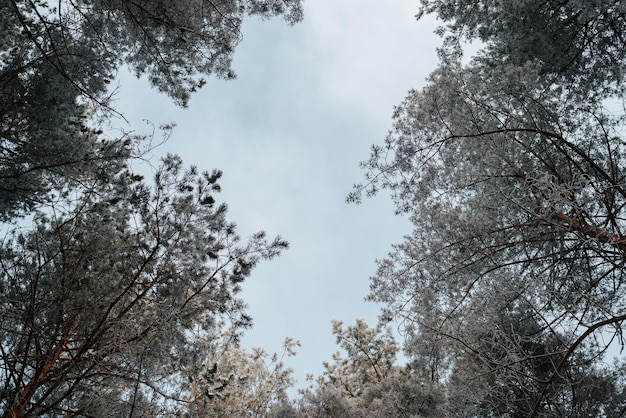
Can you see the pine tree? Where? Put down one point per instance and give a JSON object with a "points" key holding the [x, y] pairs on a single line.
{"points": [[57, 60], [104, 298]]}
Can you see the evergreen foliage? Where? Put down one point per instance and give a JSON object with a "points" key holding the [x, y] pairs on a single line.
{"points": [[123, 297], [121, 291], [104, 300], [367, 382], [57, 60]]}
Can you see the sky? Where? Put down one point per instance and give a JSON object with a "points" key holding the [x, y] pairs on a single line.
{"points": [[289, 133]]}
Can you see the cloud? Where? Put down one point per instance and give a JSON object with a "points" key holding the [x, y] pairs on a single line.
{"points": [[288, 134]]}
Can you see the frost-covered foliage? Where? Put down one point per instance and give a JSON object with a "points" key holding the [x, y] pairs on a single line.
{"points": [[58, 58], [510, 365], [175, 43], [234, 382], [512, 168], [370, 357], [103, 299], [579, 43], [367, 382], [120, 290]]}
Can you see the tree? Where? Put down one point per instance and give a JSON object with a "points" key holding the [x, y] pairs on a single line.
{"points": [[58, 58], [232, 381], [577, 43], [46, 142], [502, 370], [367, 382], [104, 301], [118, 290], [514, 183], [174, 43], [371, 354]]}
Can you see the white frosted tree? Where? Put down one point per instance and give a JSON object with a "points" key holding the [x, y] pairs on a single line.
{"points": [[236, 382], [512, 170], [579, 44], [363, 380]]}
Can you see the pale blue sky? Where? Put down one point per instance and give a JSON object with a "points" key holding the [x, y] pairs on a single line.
{"points": [[289, 133]]}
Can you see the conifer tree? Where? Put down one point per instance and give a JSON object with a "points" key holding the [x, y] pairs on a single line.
{"points": [[57, 60], [122, 288], [113, 294]]}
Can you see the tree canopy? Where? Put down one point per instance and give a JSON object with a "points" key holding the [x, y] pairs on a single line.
{"points": [[59, 58], [511, 168], [110, 297], [576, 43], [363, 380], [122, 290], [123, 298]]}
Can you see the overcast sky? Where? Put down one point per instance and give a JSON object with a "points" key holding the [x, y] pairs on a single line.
{"points": [[288, 134]]}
